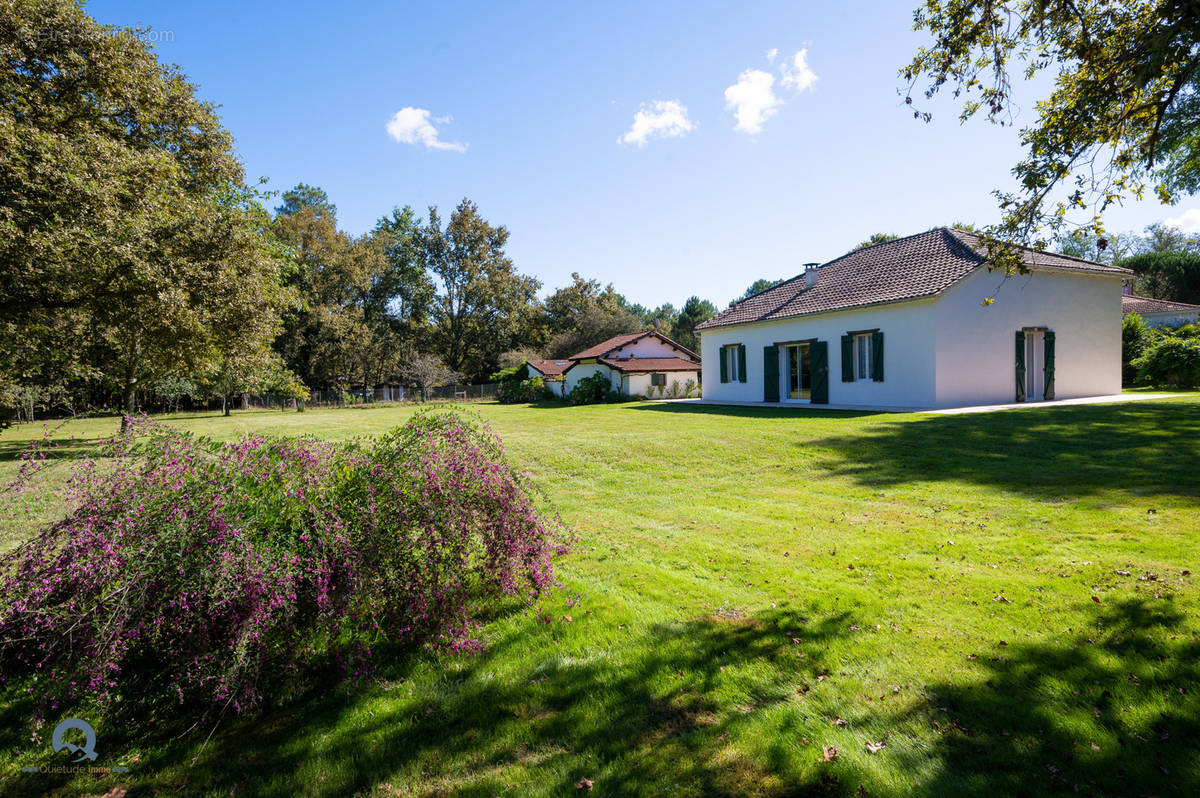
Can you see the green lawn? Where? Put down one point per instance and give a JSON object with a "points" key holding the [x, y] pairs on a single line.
{"points": [[750, 586]]}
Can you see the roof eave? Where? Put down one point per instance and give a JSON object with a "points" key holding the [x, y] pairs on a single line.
{"points": [[907, 299]]}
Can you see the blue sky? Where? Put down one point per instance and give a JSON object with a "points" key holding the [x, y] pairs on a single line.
{"points": [[529, 109]]}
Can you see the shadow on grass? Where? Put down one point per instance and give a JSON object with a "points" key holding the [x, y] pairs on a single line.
{"points": [[1112, 709], [650, 718], [740, 411], [58, 449], [1145, 447]]}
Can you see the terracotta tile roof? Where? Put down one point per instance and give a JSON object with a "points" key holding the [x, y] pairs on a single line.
{"points": [[909, 268], [1145, 304], [619, 341], [609, 345], [551, 368], [638, 365]]}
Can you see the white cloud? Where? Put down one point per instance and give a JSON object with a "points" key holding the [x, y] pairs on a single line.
{"points": [[798, 75], [661, 119], [1186, 222], [774, 51], [752, 100], [414, 126]]}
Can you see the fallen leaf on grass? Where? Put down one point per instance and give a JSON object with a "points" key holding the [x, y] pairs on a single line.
{"points": [[828, 753], [1096, 599], [116, 792], [1001, 599], [837, 721], [875, 748], [584, 784], [1122, 572]]}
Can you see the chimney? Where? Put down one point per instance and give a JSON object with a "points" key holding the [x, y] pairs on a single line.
{"points": [[810, 275]]}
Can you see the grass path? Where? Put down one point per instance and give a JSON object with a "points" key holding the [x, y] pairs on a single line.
{"points": [[1004, 601]]}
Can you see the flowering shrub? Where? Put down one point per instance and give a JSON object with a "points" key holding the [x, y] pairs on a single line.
{"points": [[215, 573]]}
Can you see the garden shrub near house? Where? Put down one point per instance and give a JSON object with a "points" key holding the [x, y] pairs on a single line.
{"points": [[1172, 361], [1135, 334], [1168, 358], [522, 391], [592, 389], [210, 577]]}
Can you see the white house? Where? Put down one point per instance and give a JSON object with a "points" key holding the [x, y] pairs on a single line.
{"points": [[635, 364], [921, 322], [1160, 313]]}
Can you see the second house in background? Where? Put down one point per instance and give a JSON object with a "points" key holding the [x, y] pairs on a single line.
{"points": [[636, 364], [921, 322]]}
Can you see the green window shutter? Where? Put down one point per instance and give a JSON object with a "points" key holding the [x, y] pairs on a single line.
{"points": [[741, 362], [847, 358], [724, 353], [818, 351], [1020, 366], [770, 374], [1049, 391], [877, 356]]}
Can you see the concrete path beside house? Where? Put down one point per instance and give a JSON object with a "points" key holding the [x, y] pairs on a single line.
{"points": [[1087, 400]]}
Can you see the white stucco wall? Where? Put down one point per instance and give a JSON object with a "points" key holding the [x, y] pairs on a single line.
{"points": [[907, 329], [650, 346], [639, 384], [573, 375], [976, 357]]}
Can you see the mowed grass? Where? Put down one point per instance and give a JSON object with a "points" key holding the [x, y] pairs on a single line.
{"points": [[1005, 601]]}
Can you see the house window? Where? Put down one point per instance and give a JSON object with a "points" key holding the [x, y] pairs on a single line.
{"points": [[733, 363], [862, 357], [658, 379]]}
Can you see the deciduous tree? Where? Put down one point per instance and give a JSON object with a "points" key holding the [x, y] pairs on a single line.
{"points": [[483, 305], [128, 239], [427, 372], [1123, 118]]}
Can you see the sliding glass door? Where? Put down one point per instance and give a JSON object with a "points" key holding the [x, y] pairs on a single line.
{"points": [[797, 372]]}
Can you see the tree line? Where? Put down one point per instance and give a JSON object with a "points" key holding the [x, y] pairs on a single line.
{"points": [[136, 260]]}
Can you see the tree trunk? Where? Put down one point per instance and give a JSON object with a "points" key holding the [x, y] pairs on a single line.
{"points": [[130, 399], [224, 405]]}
